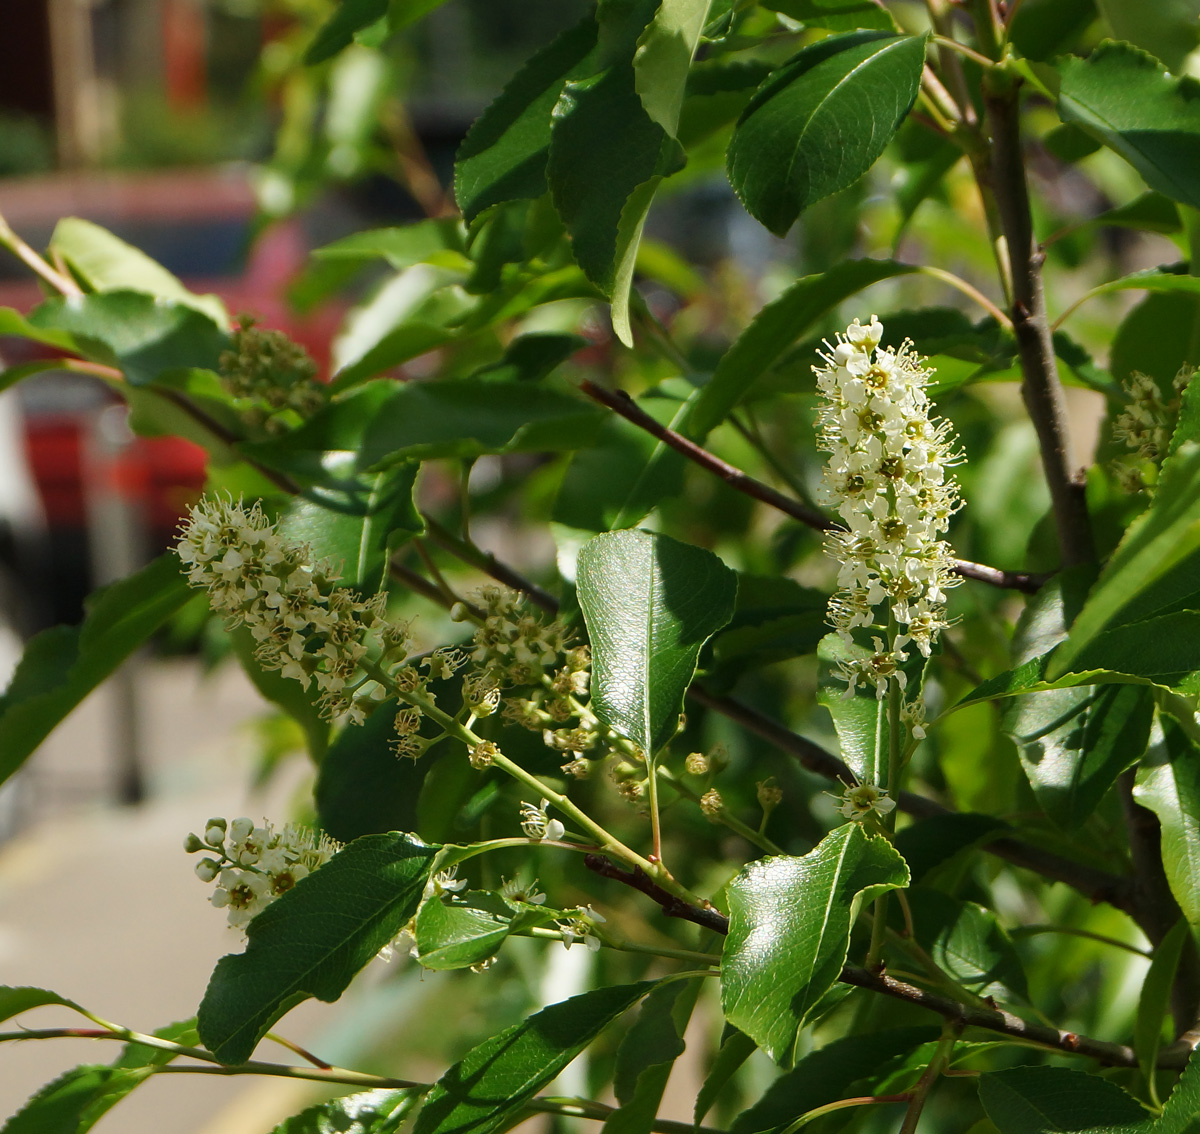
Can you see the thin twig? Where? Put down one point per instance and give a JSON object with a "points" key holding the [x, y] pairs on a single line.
{"points": [[621, 403], [60, 281]]}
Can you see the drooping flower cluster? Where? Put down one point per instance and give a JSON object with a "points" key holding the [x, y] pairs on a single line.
{"points": [[273, 375], [254, 865], [887, 477], [1145, 426]]}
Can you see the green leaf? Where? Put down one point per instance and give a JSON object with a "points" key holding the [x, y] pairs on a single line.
{"points": [[647, 1055], [442, 242], [836, 15], [617, 481], [664, 57], [401, 13], [531, 357], [1042, 29], [75, 1101], [313, 940], [775, 328], [607, 157], [820, 121], [489, 1087], [1169, 29], [860, 721], [135, 332], [650, 603], [503, 157], [928, 843], [63, 665], [823, 1076], [22, 998], [1053, 1100], [1168, 783], [457, 932], [1154, 1003], [104, 262], [776, 619], [467, 417], [1151, 118], [352, 525], [339, 30], [14, 323], [381, 1111], [362, 788], [736, 1048], [1155, 565], [967, 942], [789, 930]]}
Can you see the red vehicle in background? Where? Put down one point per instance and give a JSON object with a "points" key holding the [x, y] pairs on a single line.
{"points": [[198, 224]]}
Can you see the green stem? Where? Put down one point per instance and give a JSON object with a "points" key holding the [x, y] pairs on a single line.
{"points": [[655, 819], [920, 1092], [546, 934], [1070, 930]]}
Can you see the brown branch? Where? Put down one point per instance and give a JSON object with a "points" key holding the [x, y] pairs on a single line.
{"points": [[1040, 386], [963, 1015], [621, 403]]}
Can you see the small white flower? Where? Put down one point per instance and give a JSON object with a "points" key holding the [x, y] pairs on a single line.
{"points": [[516, 891], [537, 825], [859, 801]]}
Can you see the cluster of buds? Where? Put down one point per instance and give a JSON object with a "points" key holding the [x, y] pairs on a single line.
{"points": [[513, 646], [1145, 426], [253, 865], [303, 624], [887, 477], [274, 374]]}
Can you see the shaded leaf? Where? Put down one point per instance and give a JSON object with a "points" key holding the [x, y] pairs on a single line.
{"points": [[491, 1084], [1154, 1003], [1054, 1100], [75, 1101], [21, 998], [860, 720], [63, 665], [440, 241], [836, 15], [350, 17], [1151, 118], [650, 603], [928, 843], [736, 1048], [789, 929], [828, 113], [312, 940], [381, 1111], [457, 932]]}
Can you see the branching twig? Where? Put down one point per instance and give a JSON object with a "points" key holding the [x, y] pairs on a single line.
{"points": [[621, 403]]}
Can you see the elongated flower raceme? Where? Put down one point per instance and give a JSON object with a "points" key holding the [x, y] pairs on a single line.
{"points": [[887, 477]]}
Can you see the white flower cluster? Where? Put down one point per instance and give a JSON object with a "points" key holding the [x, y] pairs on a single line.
{"points": [[304, 626], [887, 479], [254, 865], [1145, 426], [581, 926]]}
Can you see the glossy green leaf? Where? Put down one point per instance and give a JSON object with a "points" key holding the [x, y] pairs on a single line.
{"points": [[650, 603], [789, 930], [736, 1048], [14, 323], [362, 788], [647, 1055], [775, 328], [1154, 1003], [352, 524], [381, 1111], [456, 932], [1151, 118], [607, 157], [135, 332], [860, 720], [105, 262], [503, 157], [63, 665], [313, 940], [967, 941], [664, 57], [442, 241], [1054, 1100], [350, 17], [466, 417], [820, 121], [825, 1075], [1074, 743], [775, 619], [489, 1087], [1168, 783], [1156, 564]]}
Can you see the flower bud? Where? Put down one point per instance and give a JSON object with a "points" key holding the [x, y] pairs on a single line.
{"points": [[711, 803], [207, 869], [214, 832], [696, 764], [769, 795], [192, 843]]}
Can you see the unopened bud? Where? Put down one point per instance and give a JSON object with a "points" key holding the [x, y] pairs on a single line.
{"points": [[214, 832], [207, 869], [192, 843], [769, 795], [696, 764], [482, 755], [459, 612], [711, 803]]}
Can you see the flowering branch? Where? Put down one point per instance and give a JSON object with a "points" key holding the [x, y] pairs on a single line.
{"points": [[621, 403]]}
